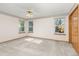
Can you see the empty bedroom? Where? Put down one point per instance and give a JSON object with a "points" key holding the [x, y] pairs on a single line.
{"points": [[39, 29]]}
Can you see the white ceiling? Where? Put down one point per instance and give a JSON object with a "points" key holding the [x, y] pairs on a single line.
{"points": [[39, 9]]}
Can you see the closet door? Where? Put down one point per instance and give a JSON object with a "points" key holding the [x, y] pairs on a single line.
{"points": [[78, 32], [75, 28], [74, 25]]}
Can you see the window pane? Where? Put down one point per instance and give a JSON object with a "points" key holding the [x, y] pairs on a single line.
{"points": [[21, 26], [30, 26], [59, 25]]}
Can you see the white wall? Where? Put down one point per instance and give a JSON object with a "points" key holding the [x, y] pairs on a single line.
{"points": [[9, 28], [44, 28]]}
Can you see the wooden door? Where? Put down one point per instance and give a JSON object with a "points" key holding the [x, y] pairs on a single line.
{"points": [[78, 32], [74, 29]]}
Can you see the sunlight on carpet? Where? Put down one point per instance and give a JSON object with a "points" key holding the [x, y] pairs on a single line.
{"points": [[37, 41]]}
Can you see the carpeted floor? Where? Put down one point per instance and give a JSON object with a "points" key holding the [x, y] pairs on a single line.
{"points": [[36, 47]]}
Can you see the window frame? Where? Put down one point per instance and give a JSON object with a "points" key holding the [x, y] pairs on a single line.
{"points": [[30, 26], [58, 33], [21, 26]]}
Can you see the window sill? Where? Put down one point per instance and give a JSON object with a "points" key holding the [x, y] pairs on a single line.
{"points": [[21, 32], [30, 32], [60, 34]]}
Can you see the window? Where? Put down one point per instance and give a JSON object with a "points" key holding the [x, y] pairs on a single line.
{"points": [[59, 25], [21, 26], [30, 26]]}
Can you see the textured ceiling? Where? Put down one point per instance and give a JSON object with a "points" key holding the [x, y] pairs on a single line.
{"points": [[39, 9]]}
